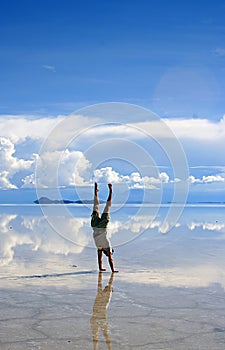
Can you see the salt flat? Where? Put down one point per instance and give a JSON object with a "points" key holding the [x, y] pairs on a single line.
{"points": [[169, 293]]}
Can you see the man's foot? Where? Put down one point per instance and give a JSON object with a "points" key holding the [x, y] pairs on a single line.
{"points": [[114, 271], [102, 270]]}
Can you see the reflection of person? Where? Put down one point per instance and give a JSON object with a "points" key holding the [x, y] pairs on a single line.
{"points": [[99, 317], [99, 225]]}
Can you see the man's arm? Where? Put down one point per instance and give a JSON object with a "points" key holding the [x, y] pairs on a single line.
{"points": [[100, 261], [111, 263]]}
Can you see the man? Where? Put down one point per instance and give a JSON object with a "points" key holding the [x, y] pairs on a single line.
{"points": [[99, 225]]}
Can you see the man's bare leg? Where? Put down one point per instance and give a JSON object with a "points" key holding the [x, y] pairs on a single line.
{"points": [[109, 200], [96, 200], [96, 189], [110, 193]]}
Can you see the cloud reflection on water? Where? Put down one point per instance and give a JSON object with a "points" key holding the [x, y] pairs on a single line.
{"points": [[35, 233], [189, 256]]}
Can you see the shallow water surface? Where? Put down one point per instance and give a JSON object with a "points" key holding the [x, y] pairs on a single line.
{"points": [[169, 293]]}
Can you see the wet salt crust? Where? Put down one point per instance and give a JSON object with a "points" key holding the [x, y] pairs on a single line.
{"points": [[169, 293]]}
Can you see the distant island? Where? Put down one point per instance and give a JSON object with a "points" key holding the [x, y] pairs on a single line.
{"points": [[46, 200]]}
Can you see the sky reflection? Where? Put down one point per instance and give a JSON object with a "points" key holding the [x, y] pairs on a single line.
{"points": [[189, 255]]}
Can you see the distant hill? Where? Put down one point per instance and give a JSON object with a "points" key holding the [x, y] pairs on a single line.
{"points": [[46, 200]]}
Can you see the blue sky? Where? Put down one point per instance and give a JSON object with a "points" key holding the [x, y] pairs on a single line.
{"points": [[59, 56]]}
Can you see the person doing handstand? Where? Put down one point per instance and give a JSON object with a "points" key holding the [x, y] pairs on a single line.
{"points": [[99, 225]]}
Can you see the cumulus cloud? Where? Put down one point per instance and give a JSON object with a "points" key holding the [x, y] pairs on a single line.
{"points": [[74, 168], [134, 180], [66, 168], [207, 179], [212, 178], [210, 226], [164, 177], [108, 175], [5, 181], [193, 180], [209, 137], [9, 164], [29, 181]]}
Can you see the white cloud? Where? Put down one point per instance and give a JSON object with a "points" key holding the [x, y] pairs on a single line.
{"points": [[191, 128], [207, 179], [164, 177], [207, 136], [61, 168], [74, 168], [48, 67], [193, 180], [124, 131], [212, 178], [5, 181], [29, 181], [134, 180], [9, 164], [19, 128], [210, 226], [197, 129], [108, 175], [7, 150]]}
